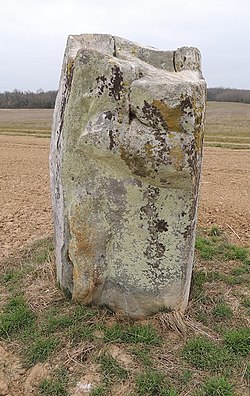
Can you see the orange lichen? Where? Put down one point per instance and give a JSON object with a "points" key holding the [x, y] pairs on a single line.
{"points": [[172, 116]]}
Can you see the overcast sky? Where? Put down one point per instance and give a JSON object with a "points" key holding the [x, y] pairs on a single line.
{"points": [[33, 35]]}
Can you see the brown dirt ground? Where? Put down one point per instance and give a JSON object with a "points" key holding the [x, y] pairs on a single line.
{"points": [[25, 213]]}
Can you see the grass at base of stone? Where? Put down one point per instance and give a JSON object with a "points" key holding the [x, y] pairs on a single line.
{"points": [[88, 347]]}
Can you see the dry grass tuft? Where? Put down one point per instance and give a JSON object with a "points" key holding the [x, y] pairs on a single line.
{"points": [[183, 325], [41, 291], [173, 321], [79, 354], [198, 328]]}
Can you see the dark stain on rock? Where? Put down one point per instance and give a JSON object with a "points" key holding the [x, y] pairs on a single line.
{"points": [[186, 104], [161, 225], [112, 140], [117, 83], [108, 115], [154, 117], [101, 84], [174, 52], [155, 250], [131, 114]]}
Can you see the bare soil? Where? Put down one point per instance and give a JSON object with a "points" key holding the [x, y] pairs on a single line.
{"points": [[225, 192], [25, 213]]}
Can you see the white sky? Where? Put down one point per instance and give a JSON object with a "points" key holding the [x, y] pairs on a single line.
{"points": [[33, 35]]}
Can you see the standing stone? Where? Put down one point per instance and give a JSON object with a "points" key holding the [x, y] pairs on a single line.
{"points": [[125, 161]]}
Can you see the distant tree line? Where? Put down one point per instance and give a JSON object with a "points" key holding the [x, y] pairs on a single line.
{"points": [[228, 95], [46, 100], [27, 100]]}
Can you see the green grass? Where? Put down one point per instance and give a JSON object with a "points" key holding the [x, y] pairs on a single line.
{"points": [[40, 349], [143, 354], [153, 383], [132, 334], [215, 247], [222, 311], [199, 278], [215, 231], [206, 248], [216, 386], [49, 387], [238, 341], [11, 276], [15, 317], [99, 391], [56, 322], [205, 354], [55, 386], [111, 369]]}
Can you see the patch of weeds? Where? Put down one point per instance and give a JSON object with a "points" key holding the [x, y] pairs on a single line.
{"points": [[52, 387], [16, 316], [240, 271], [202, 317], [206, 248], [216, 386], [11, 276], [84, 312], [132, 334], [215, 247], [153, 383], [185, 377], [40, 349], [234, 280], [55, 386], [56, 322], [100, 390], [199, 278], [233, 252], [222, 311], [215, 231], [78, 323], [238, 341], [206, 355], [143, 356], [111, 369], [81, 332]]}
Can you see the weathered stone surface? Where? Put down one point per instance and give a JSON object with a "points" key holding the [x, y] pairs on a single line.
{"points": [[125, 159]]}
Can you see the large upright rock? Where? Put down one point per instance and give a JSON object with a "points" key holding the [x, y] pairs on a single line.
{"points": [[125, 167]]}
